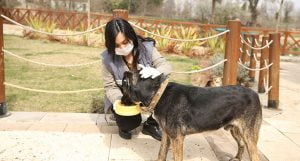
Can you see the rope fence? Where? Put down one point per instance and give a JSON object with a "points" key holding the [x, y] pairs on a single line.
{"points": [[241, 50], [49, 33], [233, 46], [257, 69], [51, 91], [266, 84], [245, 42], [175, 39], [249, 40], [51, 65], [255, 57], [248, 53], [101, 26], [201, 70], [256, 42]]}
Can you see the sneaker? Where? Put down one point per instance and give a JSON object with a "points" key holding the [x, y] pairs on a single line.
{"points": [[152, 130], [125, 134]]}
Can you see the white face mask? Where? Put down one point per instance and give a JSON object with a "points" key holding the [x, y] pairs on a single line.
{"points": [[124, 51]]}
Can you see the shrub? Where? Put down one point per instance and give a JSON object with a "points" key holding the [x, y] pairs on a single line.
{"points": [[186, 33], [217, 44], [242, 73], [38, 24], [163, 43]]}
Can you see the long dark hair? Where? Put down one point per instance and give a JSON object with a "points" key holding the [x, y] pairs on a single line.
{"points": [[117, 25]]}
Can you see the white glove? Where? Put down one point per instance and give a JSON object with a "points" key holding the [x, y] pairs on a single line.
{"points": [[147, 72]]}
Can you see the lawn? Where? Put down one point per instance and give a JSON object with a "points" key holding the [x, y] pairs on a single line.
{"points": [[26, 74]]}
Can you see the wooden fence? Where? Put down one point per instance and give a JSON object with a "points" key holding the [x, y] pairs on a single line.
{"points": [[233, 53], [78, 21]]}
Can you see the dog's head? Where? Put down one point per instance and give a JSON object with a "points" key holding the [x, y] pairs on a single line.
{"points": [[140, 91]]}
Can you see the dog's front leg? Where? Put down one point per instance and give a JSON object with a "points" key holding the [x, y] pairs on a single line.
{"points": [[164, 147], [177, 145]]}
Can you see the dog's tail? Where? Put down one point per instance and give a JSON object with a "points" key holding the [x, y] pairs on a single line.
{"points": [[258, 118]]}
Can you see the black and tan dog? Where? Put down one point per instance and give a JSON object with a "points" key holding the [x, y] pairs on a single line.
{"points": [[184, 110]]}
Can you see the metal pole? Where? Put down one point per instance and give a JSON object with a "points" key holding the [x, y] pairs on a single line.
{"points": [[232, 52], [274, 57]]}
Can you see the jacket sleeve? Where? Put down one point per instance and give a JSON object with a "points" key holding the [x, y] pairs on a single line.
{"points": [[160, 63], [112, 91]]}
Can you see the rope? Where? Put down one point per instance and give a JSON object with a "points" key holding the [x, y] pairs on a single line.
{"points": [[255, 58], [266, 63], [266, 85], [49, 91], [201, 70], [175, 39], [249, 41], [49, 33], [268, 44], [52, 65], [241, 50], [248, 53], [266, 67], [256, 42]]}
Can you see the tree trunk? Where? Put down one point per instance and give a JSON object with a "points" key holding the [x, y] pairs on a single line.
{"points": [[213, 7], [129, 4], [279, 15], [254, 17], [144, 7], [254, 13]]}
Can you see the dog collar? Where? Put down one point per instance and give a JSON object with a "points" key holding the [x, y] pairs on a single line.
{"points": [[157, 96]]}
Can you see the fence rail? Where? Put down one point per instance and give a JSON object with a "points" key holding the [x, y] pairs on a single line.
{"points": [[78, 21]]}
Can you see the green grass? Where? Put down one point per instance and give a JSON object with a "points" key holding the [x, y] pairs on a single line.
{"points": [[36, 76]]}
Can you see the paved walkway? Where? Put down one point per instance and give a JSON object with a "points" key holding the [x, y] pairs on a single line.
{"points": [[41, 136], [73, 136]]}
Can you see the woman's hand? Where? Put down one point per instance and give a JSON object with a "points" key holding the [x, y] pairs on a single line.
{"points": [[147, 72]]}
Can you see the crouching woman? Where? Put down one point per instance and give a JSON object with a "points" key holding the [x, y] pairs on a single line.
{"points": [[125, 50]]}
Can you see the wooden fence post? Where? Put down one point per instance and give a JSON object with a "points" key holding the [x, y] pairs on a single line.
{"points": [[3, 109], [232, 52], [252, 58], [263, 73], [285, 42], [246, 48], [274, 57], [120, 13]]}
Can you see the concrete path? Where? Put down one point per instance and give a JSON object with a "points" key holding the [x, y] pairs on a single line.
{"points": [[72, 136]]}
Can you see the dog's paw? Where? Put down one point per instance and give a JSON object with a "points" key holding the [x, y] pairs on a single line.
{"points": [[234, 159]]}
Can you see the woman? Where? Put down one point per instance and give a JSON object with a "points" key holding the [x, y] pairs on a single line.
{"points": [[125, 51]]}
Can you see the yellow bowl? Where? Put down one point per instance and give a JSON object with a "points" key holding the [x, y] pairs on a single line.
{"points": [[123, 110]]}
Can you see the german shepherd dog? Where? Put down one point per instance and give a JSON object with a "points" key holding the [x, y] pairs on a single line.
{"points": [[184, 110]]}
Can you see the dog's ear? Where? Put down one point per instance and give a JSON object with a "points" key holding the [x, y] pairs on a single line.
{"points": [[159, 79], [162, 78]]}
